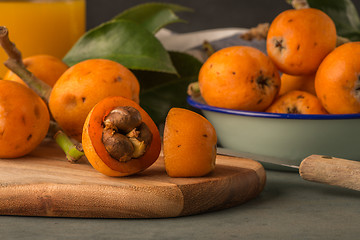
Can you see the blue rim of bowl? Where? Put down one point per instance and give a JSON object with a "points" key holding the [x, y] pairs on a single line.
{"points": [[206, 107]]}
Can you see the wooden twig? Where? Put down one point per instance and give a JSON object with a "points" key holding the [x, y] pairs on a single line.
{"points": [[16, 65]]}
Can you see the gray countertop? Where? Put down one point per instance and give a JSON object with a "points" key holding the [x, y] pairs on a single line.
{"points": [[288, 208]]}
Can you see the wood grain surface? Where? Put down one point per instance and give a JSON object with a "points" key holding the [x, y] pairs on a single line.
{"points": [[331, 170], [45, 184]]}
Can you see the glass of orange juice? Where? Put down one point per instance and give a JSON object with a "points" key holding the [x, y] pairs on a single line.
{"points": [[42, 26]]}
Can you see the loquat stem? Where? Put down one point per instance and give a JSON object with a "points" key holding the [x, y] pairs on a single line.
{"points": [[16, 65], [259, 32], [209, 49], [8, 46], [193, 89], [298, 4], [73, 151]]}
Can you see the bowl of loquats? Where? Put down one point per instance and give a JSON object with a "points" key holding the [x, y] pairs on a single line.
{"points": [[299, 99]]}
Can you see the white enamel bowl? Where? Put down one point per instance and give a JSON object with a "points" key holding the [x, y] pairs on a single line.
{"points": [[284, 138]]}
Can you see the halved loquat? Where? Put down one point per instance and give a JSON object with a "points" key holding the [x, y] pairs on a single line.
{"points": [[119, 138], [189, 144]]}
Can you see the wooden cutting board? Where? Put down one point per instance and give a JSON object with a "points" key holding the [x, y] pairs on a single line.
{"points": [[45, 184]]}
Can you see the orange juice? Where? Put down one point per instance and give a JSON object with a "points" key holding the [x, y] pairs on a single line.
{"points": [[42, 26]]}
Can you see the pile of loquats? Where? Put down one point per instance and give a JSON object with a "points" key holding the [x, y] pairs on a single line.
{"points": [[96, 102], [304, 71]]}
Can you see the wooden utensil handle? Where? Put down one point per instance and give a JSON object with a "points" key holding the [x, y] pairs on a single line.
{"points": [[331, 170]]}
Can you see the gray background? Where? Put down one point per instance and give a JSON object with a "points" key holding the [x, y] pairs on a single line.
{"points": [[206, 14]]}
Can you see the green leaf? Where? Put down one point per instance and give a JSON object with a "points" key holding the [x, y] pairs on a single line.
{"points": [[186, 65], [153, 16], [125, 42], [168, 90], [158, 101], [343, 13]]}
